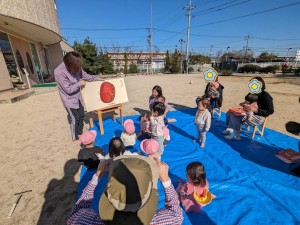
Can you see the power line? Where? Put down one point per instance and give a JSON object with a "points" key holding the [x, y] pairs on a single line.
{"points": [[176, 33], [220, 9], [101, 29], [239, 17], [173, 19]]}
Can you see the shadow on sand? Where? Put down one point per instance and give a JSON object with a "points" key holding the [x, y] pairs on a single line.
{"points": [[60, 196]]}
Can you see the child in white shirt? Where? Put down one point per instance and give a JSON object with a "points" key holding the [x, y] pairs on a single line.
{"points": [[128, 136], [157, 124], [202, 121]]}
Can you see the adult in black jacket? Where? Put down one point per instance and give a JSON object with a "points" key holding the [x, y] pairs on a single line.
{"points": [[264, 109]]}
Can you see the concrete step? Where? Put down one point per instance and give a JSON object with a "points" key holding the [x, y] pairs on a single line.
{"points": [[13, 96]]}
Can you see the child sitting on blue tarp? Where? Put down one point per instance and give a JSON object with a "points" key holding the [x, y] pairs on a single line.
{"points": [[194, 194], [89, 154]]}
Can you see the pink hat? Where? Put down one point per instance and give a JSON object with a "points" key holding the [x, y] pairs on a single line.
{"points": [[88, 137], [149, 146], [129, 126], [166, 132], [216, 84]]}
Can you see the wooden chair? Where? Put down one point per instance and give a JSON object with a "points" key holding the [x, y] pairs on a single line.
{"points": [[218, 111], [255, 128]]}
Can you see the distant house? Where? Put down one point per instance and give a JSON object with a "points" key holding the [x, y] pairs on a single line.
{"points": [[141, 59], [30, 38]]}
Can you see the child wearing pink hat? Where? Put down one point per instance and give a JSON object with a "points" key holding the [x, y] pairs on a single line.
{"points": [[150, 147], [89, 154], [213, 94], [128, 136]]}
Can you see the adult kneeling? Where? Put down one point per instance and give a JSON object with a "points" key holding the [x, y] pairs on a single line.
{"points": [[261, 110]]}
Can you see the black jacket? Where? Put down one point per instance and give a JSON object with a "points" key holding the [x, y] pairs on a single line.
{"points": [[89, 158], [264, 102]]}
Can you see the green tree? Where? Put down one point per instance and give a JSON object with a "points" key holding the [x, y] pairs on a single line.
{"points": [[133, 68], [89, 54], [106, 66], [199, 59], [168, 62], [266, 57], [175, 62], [126, 63]]}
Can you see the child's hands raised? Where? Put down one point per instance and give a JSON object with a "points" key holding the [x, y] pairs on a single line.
{"points": [[163, 170], [102, 167]]}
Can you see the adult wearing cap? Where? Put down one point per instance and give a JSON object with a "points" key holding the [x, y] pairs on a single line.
{"points": [[131, 195], [70, 78]]}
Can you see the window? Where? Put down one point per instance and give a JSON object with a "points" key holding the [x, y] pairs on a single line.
{"points": [[29, 62], [20, 61], [8, 54]]}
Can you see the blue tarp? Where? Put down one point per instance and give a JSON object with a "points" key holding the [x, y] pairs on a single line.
{"points": [[252, 185]]}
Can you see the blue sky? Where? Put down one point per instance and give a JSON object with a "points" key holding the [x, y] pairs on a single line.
{"points": [[273, 31]]}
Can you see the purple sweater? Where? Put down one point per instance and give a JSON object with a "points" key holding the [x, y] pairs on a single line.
{"points": [[69, 85]]}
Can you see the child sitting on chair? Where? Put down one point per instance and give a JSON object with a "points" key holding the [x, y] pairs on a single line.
{"points": [[88, 154], [202, 121], [145, 127], [213, 95], [194, 194], [250, 99], [157, 124], [128, 136]]}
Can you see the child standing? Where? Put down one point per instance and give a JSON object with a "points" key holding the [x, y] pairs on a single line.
{"points": [[194, 194], [213, 95], [162, 99], [88, 154], [128, 136], [202, 121], [145, 126], [157, 124]]}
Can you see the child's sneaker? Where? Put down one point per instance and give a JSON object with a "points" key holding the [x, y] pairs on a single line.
{"points": [[232, 137], [227, 131]]}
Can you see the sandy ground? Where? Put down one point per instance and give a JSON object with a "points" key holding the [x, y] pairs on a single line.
{"points": [[37, 153]]}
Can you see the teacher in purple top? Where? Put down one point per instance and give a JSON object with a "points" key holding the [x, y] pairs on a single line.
{"points": [[70, 78]]}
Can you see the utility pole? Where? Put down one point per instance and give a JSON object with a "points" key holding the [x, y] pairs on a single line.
{"points": [[181, 41], [247, 46], [189, 8], [150, 38], [210, 49], [287, 55], [150, 47]]}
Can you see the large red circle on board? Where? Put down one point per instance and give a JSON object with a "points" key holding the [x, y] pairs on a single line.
{"points": [[107, 92]]}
